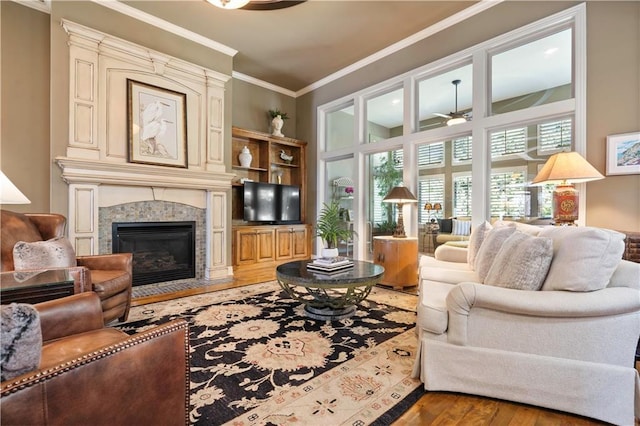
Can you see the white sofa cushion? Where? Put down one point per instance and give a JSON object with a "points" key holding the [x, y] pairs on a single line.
{"points": [[475, 241], [432, 309], [584, 258], [522, 262], [490, 248]]}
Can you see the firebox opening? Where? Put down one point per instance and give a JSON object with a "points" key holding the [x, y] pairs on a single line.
{"points": [[162, 251]]}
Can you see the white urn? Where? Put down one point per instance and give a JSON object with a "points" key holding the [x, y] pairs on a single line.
{"points": [[245, 157], [276, 124]]}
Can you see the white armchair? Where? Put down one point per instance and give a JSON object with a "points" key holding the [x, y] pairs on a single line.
{"points": [[560, 348]]}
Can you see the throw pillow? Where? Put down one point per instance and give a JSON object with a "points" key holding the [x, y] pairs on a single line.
{"points": [[522, 262], [490, 248], [21, 340], [445, 225], [478, 235], [584, 258], [461, 227], [54, 253]]}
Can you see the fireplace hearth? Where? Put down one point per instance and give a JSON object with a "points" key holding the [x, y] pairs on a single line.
{"points": [[162, 251]]}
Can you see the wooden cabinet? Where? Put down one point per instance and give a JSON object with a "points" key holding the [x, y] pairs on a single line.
{"points": [[253, 245], [399, 256], [292, 242], [257, 250]]}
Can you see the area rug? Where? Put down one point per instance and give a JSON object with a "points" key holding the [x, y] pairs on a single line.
{"points": [[256, 359]]}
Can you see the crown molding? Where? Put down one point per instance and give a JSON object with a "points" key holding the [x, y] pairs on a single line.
{"points": [[41, 5], [165, 25], [261, 83]]}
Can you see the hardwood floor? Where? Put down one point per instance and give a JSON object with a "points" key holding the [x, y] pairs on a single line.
{"points": [[443, 408]]}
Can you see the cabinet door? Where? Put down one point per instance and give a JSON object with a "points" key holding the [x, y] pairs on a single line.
{"points": [[300, 241], [284, 249], [246, 243], [385, 254], [265, 245]]}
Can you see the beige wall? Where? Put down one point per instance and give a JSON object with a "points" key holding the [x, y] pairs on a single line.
{"points": [[251, 105], [24, 117], [613, 107], [613, 93]]}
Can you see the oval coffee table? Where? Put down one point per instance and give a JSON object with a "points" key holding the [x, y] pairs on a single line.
{"points": [[328, 296]]}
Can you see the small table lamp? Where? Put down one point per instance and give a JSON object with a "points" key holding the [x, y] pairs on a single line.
{"points": [[9, 193], [433, 207], [400, 195], [565, 169]]}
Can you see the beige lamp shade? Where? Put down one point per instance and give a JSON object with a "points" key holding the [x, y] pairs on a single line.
{"points": [[566, 167], [229, 4], [9, 193]]}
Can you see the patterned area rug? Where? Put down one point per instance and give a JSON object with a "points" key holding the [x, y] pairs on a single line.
{"points": [[256, 359]]}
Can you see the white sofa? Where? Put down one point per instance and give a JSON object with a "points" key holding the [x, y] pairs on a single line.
{"points": [[568, 346]]}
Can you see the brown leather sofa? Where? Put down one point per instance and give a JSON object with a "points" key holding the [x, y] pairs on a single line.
{"points": [[90, 374], [109, 275]]}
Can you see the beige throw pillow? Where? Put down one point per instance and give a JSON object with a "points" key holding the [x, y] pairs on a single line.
{"points": [[490, 248], [522, 262], [54, 253], [584, 258], [478, 235]]}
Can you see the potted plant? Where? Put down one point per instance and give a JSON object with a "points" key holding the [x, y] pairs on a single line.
{"points": [[332, 229], [277, 121]]}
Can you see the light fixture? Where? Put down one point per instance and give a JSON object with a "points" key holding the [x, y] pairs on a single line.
{"points": [[229, 4], [400, 195], [433, 207], [9, 193], [456, 117], [565, 169]]}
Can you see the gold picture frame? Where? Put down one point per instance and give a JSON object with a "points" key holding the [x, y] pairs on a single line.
{"points": [[157, 125]]}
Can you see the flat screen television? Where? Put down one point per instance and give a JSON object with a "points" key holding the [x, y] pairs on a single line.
{"points": [[271, 203]]}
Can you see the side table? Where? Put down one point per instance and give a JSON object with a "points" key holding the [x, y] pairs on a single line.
{"points": [[399, 256], [36, 286]]}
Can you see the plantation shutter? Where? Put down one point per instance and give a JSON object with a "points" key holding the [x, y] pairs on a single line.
{"points": [[554, 136], [430, 190], [462, 195], [507, 142], [508, 194], [431, 155], [462, 149]]}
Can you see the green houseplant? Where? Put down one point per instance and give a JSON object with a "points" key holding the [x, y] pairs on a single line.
{"points": [[331, 228], [273, 113]]}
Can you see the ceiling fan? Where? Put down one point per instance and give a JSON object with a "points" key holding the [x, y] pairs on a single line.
{"points": [[455, 117], [254, 4]]}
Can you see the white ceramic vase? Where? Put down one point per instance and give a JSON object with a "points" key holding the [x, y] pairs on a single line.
{"points": [[245, 157], [276, 125]]}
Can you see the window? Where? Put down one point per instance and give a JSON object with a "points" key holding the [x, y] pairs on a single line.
{"points": [[462, 150], [385, 115], [339, 128], [431, 155], [506, 142], [386, 171], [430, 190], [509, 196], [554, 136], [462, 194]]}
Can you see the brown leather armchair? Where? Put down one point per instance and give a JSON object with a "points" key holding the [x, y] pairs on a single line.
{"points": [[91, 374], [109, 275]]}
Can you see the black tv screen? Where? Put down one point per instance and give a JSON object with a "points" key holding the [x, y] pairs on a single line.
{"points": [[273, 203]]}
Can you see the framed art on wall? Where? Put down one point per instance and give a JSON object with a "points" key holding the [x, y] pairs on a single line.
{"points": [[157, 125], [623, 154]]}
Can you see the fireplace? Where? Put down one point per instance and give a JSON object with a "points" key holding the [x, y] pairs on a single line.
{"points": [[162, 251]]}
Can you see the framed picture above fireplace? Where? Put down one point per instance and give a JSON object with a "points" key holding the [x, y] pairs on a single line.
{"points": [[157, 125]]}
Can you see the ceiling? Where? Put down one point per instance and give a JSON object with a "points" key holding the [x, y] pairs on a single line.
{"points": [[295, 47]]}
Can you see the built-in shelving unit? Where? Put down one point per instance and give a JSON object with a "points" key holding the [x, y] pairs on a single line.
{"points": [[258, 249]]}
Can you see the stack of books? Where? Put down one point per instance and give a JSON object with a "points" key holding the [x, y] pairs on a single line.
{"points": [[328, 265]]}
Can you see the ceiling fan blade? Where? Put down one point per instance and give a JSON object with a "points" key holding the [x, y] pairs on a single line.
{"points": [[441, 115]]}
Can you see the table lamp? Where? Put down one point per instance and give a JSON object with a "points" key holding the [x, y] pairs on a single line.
{"points": [[400, 195], [433, 207], [565, 169], [9, 193]]}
